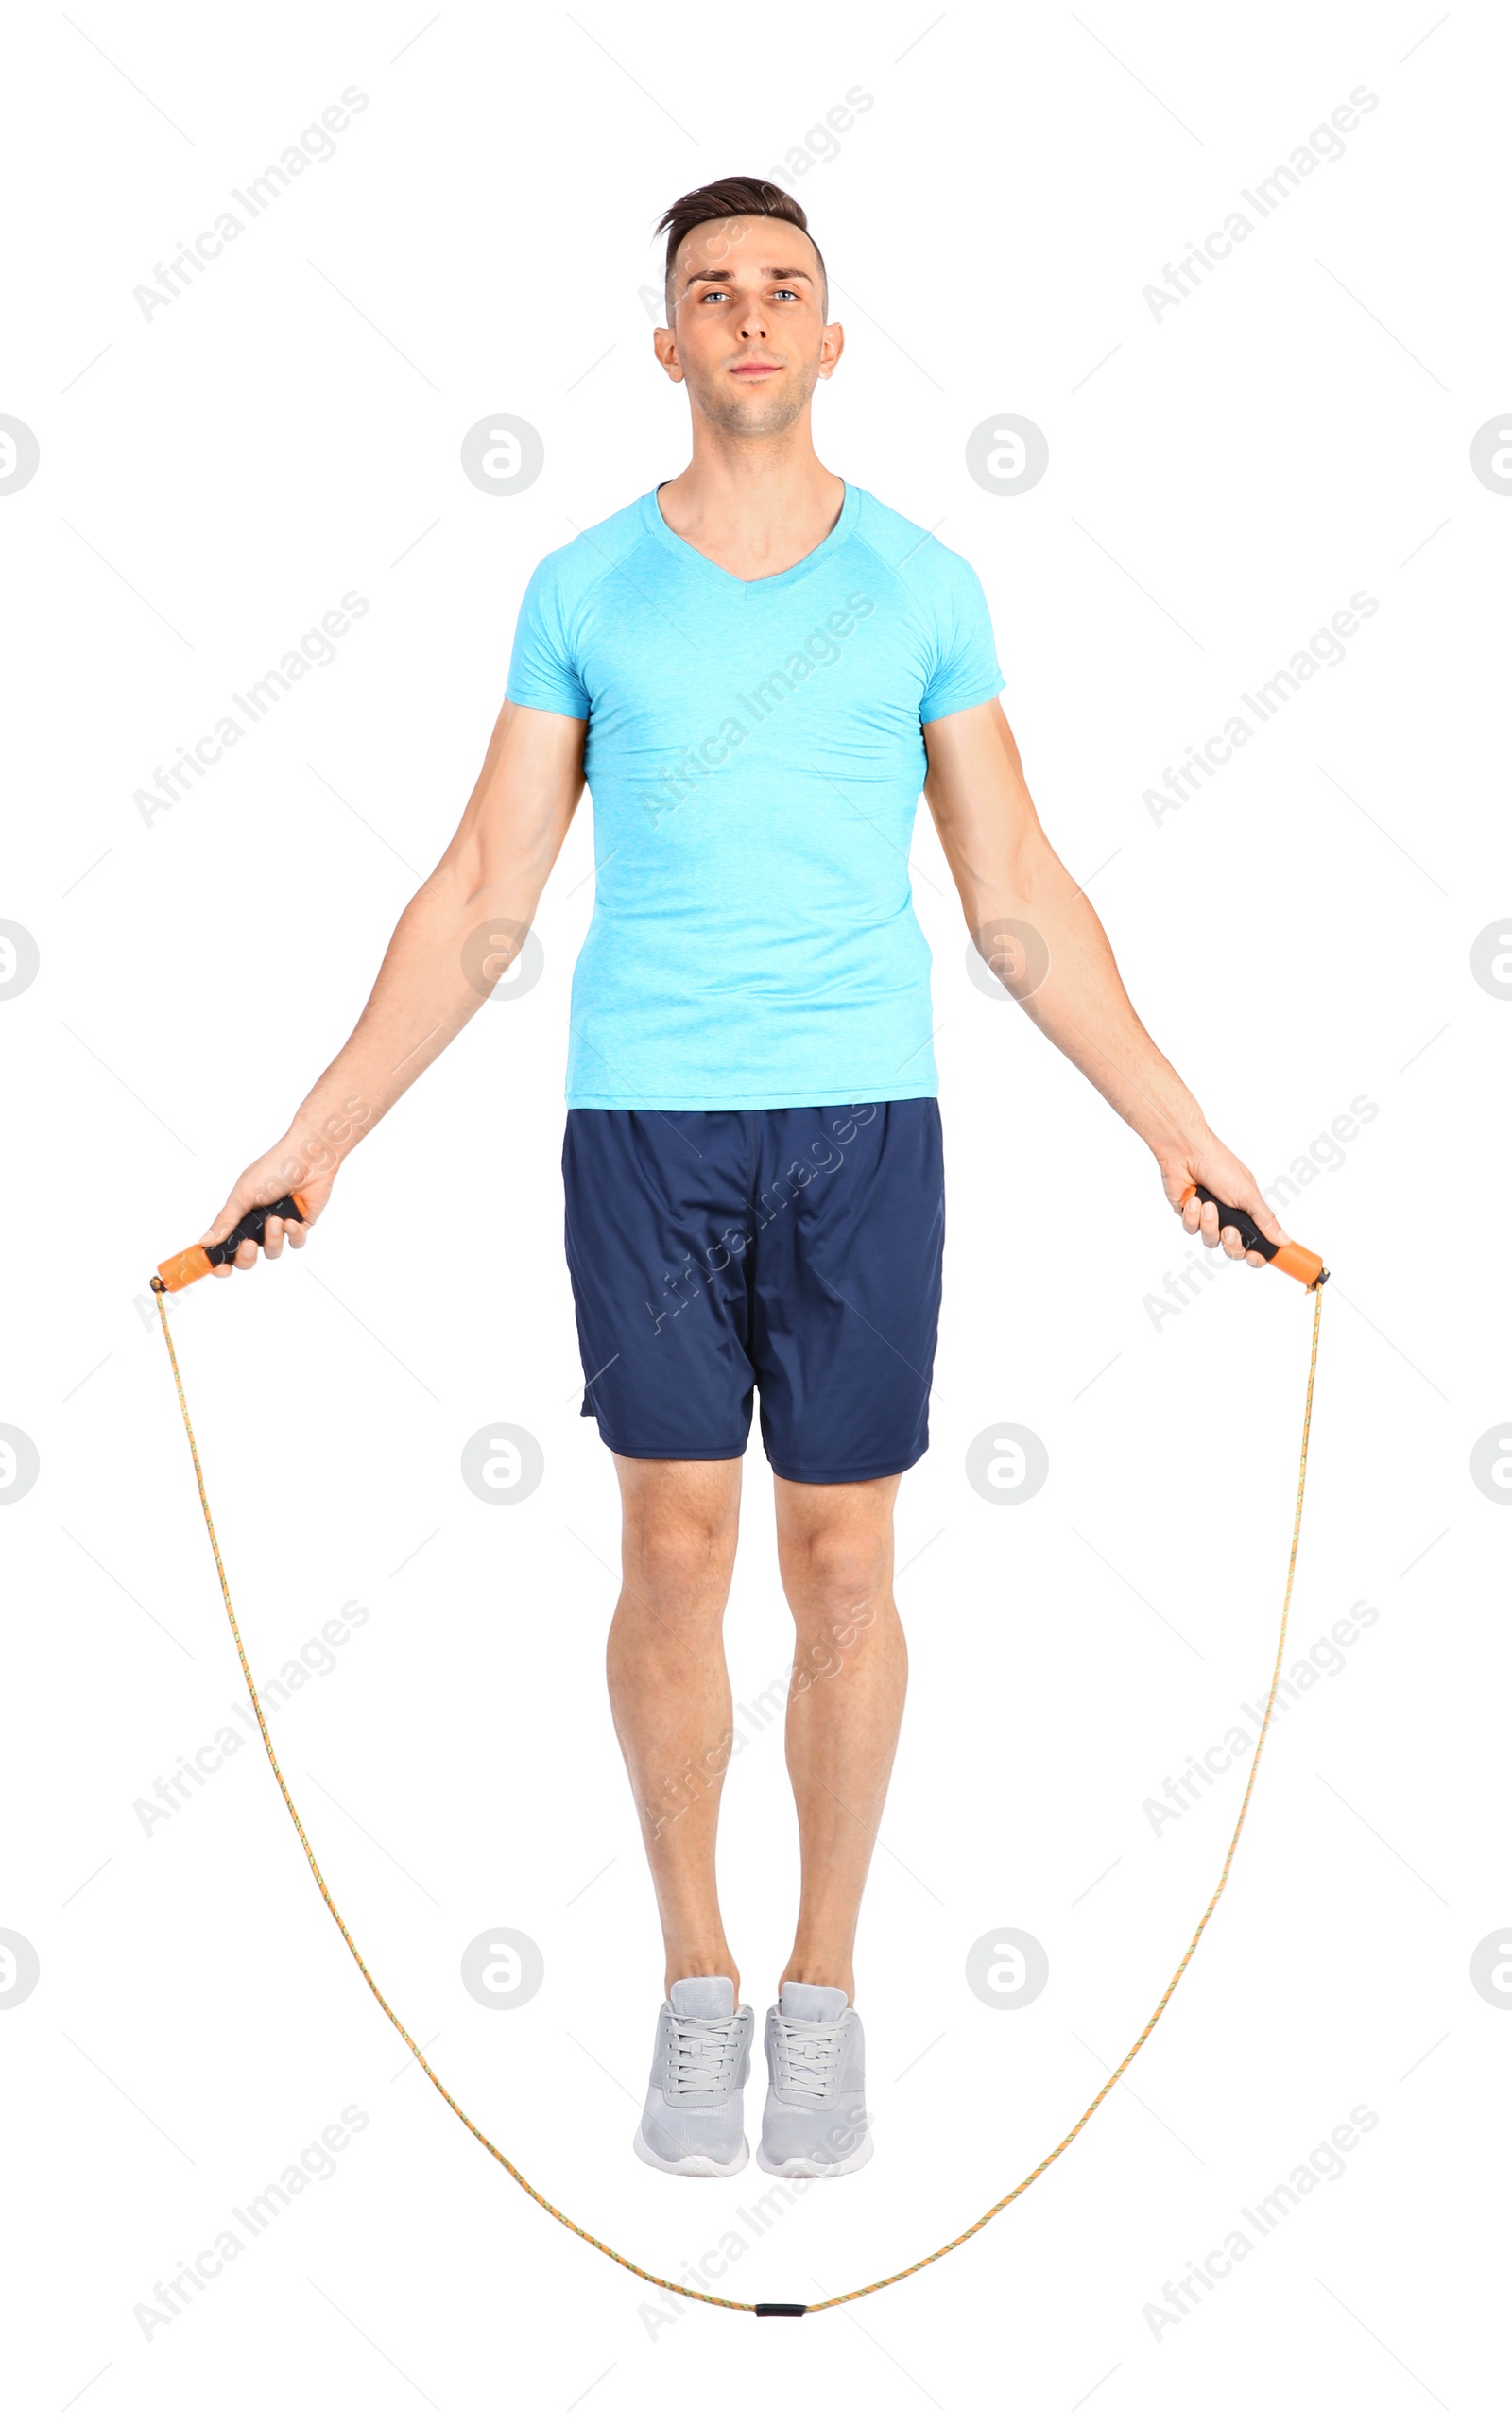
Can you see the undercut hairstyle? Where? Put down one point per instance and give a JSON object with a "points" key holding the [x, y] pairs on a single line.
{"points": [[733, 198]]}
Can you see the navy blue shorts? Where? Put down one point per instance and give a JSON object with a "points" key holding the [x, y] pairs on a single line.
{"points": [[797, 1253]]}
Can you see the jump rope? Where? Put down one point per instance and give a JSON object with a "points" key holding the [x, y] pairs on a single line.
{"points": [[179, 1270]]}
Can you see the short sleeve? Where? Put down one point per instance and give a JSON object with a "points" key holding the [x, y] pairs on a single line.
{"points": [[966, 671], [542, 670]]}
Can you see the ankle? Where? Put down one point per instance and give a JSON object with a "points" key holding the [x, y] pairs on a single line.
{"points": [[702, 1965], [819, 1971]]}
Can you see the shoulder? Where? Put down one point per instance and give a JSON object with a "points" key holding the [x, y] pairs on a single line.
{"points": [[934, 574], [564, 578]]}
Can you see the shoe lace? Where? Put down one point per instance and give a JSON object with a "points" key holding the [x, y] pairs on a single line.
{"points": [[808, 2054], [704, 2052]]}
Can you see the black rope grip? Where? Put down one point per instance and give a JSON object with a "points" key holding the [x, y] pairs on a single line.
{"points": [[251, 1226], [1229, 1218]]}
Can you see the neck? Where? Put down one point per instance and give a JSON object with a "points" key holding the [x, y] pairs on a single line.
{"points": [[755, 504]]}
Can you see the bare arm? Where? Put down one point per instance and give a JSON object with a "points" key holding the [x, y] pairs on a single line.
{"points": [[455, 940], [1009, 879]]}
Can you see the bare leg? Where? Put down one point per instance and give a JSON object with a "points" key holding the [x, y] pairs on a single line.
{"points": [[669, 1689], [836, 1550]]}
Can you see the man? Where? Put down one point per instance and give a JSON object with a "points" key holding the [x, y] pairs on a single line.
{"points": [[755, 667]]}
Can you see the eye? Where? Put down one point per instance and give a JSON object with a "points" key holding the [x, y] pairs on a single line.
{"points": [[788, 290], [713, 294]]}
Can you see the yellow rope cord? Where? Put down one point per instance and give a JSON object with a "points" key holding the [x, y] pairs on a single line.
{"points": [[710, 2299]]}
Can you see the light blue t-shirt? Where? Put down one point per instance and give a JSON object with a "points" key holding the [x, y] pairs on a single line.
{"points": [[755, 758]]}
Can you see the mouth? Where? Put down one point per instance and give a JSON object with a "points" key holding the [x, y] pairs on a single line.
{"points": [[754, 370]]}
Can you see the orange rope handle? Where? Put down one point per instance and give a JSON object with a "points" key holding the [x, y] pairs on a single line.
{"points": [[712, 2300]]}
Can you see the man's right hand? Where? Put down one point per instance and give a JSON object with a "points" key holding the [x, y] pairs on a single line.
{"points": [[272, 1175]]}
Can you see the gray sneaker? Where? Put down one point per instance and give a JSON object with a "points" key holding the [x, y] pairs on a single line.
{"points": [[815, 2121], [694, 2120]]}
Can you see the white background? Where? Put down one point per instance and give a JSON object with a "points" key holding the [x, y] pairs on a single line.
{"points": [[1220, 482]]}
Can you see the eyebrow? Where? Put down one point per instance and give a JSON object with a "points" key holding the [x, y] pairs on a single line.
{"points": [[721, 277]]}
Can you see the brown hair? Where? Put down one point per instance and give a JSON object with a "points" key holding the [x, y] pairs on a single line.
{"points": [[733, 198]]}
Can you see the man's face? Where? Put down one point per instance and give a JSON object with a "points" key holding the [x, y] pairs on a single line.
{"points": [[748, 333]]}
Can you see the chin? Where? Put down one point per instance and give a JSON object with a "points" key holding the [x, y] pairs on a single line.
{"points": [[763, 409]]}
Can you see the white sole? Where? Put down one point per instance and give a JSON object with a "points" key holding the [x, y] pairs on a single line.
{"points": [[709, 2167], [804, 2168]]}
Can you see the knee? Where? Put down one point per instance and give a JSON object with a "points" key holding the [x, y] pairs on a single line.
{"points": [[680, 1561], [842, 1567]]}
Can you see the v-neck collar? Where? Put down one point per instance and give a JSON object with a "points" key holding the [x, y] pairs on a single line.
{"points": [[833, 540]]}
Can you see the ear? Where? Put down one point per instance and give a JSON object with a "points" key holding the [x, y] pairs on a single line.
{"points": [[665, 345]]}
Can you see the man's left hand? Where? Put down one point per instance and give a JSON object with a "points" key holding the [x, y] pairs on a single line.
{"points": [[1213, 1168]]}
